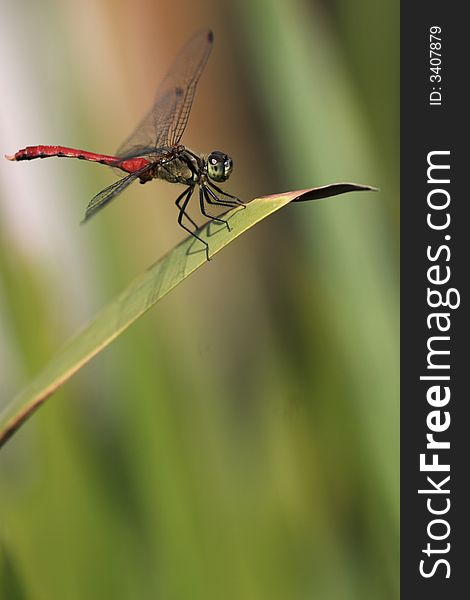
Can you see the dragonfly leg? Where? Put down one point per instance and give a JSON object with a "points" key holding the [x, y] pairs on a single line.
{"points": [[236, 200], [208, 193], [187, 195], [177, 202], [202, 196]]}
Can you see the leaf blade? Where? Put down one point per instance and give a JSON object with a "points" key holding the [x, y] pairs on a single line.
{"points": [[152, 285]]}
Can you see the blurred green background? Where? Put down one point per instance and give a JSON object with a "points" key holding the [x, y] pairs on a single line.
{"points": [[241, 440]]}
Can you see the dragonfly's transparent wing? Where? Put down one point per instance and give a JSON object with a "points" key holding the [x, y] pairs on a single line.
{"points": [[164, 125], [105, 196]]}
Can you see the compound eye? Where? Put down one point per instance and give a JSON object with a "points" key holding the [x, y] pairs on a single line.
{"points": [[219, 166], [228, 166]]}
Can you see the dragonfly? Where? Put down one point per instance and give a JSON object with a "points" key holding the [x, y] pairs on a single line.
{"points": [[153, 150]]}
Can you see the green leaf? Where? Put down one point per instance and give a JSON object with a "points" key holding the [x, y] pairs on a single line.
{"points": [[144, 292]]}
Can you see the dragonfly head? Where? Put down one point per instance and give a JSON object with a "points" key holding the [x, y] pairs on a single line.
{"points": [[219, 166]]}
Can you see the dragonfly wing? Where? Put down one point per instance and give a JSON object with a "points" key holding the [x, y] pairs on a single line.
{"points": [[186, 75], [105, 196], [165, 123]]}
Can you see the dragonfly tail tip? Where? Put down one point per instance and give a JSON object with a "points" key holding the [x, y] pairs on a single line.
{"points": [[10, 157]]}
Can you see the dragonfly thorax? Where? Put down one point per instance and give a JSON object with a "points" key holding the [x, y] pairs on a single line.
{"points": [[219, 166], [181, 167]]}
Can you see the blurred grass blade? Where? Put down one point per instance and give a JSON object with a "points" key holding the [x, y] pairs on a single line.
{"points": [[143, 293], [11, 586]]}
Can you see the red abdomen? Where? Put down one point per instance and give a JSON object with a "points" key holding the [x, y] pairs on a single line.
{"points": [[32, 152]]}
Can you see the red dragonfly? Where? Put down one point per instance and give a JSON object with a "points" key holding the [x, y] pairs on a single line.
{"points": [[153, 150]]}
